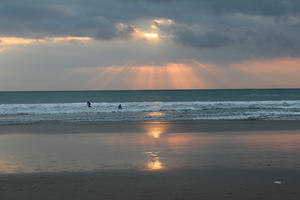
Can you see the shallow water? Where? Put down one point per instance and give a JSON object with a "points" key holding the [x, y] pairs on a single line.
{"points": [[152, 148], [70, 106]]}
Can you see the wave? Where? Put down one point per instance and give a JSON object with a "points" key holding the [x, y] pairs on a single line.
{"points": [[107, 111]]}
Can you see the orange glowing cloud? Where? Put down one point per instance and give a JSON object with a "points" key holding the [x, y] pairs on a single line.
{"points": [[282, 72], [5, 41]]}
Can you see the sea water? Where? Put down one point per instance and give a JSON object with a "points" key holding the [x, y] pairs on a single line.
{"points": [[70, 106]]}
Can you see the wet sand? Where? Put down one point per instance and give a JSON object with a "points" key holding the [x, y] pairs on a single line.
{"points": [[174, 184], [131, 126], [151, 160]]}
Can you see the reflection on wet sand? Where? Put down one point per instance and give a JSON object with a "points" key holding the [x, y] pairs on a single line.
{"points": [[12, 166], [153, 162], [281, 142], [155, 129], [153, 148]]}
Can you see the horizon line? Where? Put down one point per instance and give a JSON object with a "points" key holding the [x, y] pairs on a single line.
{"points": [[92, 90]]}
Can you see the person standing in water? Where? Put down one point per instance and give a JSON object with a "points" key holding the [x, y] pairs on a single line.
{"points": [[120, 107], [88, 104]]}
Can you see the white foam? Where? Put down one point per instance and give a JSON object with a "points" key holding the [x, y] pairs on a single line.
{"points": [[104, 111]]}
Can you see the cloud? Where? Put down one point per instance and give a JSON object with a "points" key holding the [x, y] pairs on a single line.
{"points": [[68, 66], [256, 7], [247, 28], [208, 39], [5, 41], [36, 19], [117, 31]]}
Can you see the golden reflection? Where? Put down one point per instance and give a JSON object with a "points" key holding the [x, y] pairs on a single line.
{"points": [[181, 139], [155, 114], [156, 106], [155, 130], [13, 167], [153, 162], [155, 133]]}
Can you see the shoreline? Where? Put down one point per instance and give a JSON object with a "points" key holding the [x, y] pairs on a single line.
{"points": [[181, 126]]}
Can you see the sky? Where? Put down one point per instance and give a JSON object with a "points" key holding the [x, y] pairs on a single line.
{"points": [[149, 44]]}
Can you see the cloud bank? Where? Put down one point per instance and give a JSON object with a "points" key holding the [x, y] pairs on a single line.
{"points": [[270, 25]]}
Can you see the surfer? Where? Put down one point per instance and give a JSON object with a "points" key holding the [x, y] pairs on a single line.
{"points": [[88, 104], [120, 107]]}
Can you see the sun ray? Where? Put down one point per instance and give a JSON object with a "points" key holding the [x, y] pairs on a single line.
{"points": [[169, 76]]}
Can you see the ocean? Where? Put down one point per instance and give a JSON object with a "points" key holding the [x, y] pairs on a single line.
{"points": [[149, 105]]}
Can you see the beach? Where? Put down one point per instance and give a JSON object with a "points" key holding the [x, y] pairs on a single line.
{"points": [[174, 184], [150, 100], [198, 159]]}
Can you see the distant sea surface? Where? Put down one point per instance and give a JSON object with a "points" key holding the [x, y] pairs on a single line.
{"points": [[70, 106]]}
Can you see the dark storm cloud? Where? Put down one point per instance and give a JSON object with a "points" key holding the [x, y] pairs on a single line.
{"points": [[270, 25], [261, 7], [60, 18], [248, 30], [203, 40]]}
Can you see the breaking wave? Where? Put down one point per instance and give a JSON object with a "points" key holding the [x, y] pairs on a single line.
{"points": [[140, 111]]}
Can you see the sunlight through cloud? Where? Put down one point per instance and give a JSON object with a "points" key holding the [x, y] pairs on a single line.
{"points": [[169, 76], [10, 41]]}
